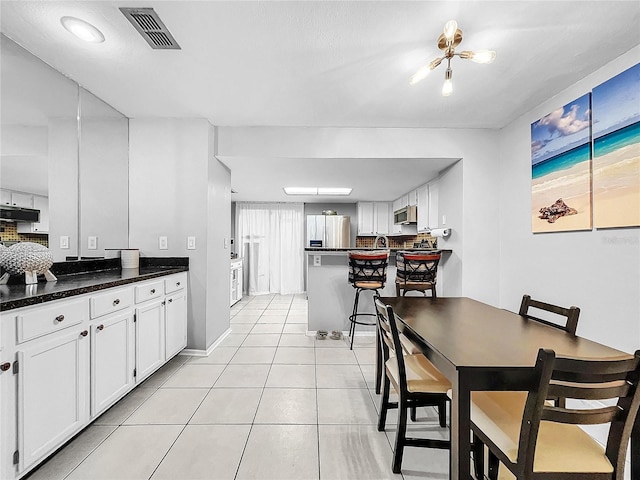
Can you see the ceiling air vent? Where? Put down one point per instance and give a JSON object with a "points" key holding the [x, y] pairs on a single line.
{"points": [[149, 25]]}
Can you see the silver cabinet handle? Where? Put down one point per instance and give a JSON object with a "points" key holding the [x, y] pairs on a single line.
{"points": [[116, 301]]}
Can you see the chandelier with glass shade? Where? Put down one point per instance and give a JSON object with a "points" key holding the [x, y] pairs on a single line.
{"points": [[450, 38]]}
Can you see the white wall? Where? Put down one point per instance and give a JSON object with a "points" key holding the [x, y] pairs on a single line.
{"points": [[598, 270], [170, 161], [477, 214], [450, 204]]}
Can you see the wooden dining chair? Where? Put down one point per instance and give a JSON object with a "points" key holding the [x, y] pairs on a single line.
{"points": [[537, 440], [417, 382], [571, 314]]}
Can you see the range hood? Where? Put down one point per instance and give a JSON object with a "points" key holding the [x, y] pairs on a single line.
{"points": [[19, 214]]}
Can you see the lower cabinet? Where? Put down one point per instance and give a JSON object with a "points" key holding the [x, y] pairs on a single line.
{"points": [[112, 360], [175, 324], [65, 362], [150, 338], [53, 393]]}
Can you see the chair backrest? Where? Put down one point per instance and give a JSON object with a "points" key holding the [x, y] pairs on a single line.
{"points": [[583, 379], [368, 266], [570, 314], [417, 267], [390, 336]]}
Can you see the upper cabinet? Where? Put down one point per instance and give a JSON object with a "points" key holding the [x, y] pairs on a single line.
{"points": [[374, 218], [412, 198], [423, 208]]}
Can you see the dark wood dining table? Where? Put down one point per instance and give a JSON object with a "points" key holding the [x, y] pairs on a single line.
{"points": [[480, 347]]}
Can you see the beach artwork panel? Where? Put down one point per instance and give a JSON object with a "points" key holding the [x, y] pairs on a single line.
{"points": [[561, 169], [616, 151]]}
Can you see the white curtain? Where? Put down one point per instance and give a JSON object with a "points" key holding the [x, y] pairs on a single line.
{"points": [[271, 236]]}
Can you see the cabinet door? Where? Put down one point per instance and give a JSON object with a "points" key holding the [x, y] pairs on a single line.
{"points": [[413, 197], [42, 204], [176, 323], [382, 218], [397, 205], [53, 388], [239, 285], [112, 360], [24, 200], [366, 218], [433, 204], [5, 197], [150, 346], [423, 208]]}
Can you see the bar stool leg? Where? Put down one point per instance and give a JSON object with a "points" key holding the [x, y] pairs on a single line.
{"points": [[354, 317]]}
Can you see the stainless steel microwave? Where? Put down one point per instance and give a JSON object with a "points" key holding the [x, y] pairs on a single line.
{"points": [[406, 215]]}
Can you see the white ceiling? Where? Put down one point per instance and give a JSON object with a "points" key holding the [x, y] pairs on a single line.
{"points": [[328, 64]]}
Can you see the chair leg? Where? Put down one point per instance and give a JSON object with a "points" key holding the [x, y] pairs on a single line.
{"points": [[384, 404], [494, 463], [413, 413], [442, 413], [478, 457], [401, 432], [352, 329], [379, 368]]}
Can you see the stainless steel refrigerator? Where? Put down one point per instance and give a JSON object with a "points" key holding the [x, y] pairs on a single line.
{"points": [[329, 231]]}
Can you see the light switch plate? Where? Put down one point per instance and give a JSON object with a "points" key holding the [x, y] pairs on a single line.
{"points": [[92, 243], [317, 261], [163, 243], [64, 242], [226, 242], [191, 243], [444, 219]]}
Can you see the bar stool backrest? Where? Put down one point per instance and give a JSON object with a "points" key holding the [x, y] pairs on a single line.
{"points": [[417, 267], [368, 266]]}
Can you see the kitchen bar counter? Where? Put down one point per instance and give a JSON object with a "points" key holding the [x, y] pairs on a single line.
{"points": [[331, 296], [80, 277]]}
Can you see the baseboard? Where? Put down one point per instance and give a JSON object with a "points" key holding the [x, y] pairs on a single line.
{"points": [[205, 353]]}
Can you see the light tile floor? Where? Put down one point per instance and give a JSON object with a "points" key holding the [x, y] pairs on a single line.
{"points": [[269, 403]]}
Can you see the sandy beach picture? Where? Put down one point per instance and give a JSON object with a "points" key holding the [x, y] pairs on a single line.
{"points": [[616, 151], [561, 169]]}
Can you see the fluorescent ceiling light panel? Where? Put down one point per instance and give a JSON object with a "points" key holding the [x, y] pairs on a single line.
{"points": [[301, 190], [334, 191], [83, 30], [317, 191]]}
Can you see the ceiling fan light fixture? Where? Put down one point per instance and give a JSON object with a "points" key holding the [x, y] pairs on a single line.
{"points": [[435, 63], [483, 56], [81, 29], [447, 86], [420, 74], [450, 29]]}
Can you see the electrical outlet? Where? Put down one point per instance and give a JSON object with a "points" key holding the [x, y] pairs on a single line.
{"points": [[191, 243], [162, 243], [64, 241], [92, 243], [317, 261]]}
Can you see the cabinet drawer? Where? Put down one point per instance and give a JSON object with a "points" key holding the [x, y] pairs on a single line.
{"points": [[149, 291], [111, 301], [175, 283], [41, 320]]}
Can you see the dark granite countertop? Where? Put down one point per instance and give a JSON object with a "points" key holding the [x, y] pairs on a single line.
{"points": [[92, 276]]}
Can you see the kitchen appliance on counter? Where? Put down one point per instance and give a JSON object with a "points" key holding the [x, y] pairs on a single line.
{"points": [[406, 215], [328, 231]]}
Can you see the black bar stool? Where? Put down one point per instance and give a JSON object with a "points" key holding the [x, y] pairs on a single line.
{"points": [[367, 271], [416, 271]]}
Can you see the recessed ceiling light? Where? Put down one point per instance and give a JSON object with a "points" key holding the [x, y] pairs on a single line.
{"points": [[83, 30], [317, 191]]}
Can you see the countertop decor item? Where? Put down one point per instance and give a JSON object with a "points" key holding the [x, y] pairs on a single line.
{"points": [[28, 258], [448, 40]]}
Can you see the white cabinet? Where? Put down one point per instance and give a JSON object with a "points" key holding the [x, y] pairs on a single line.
{"points": [[374, 218], [397, 205], [413, 197], [42, 204], [112, 360], [53, 393], [235, 280], [150, 338], [366, 218], [433, 204], [5, 197], [423, 208], [175, 323], [19, 199]]}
